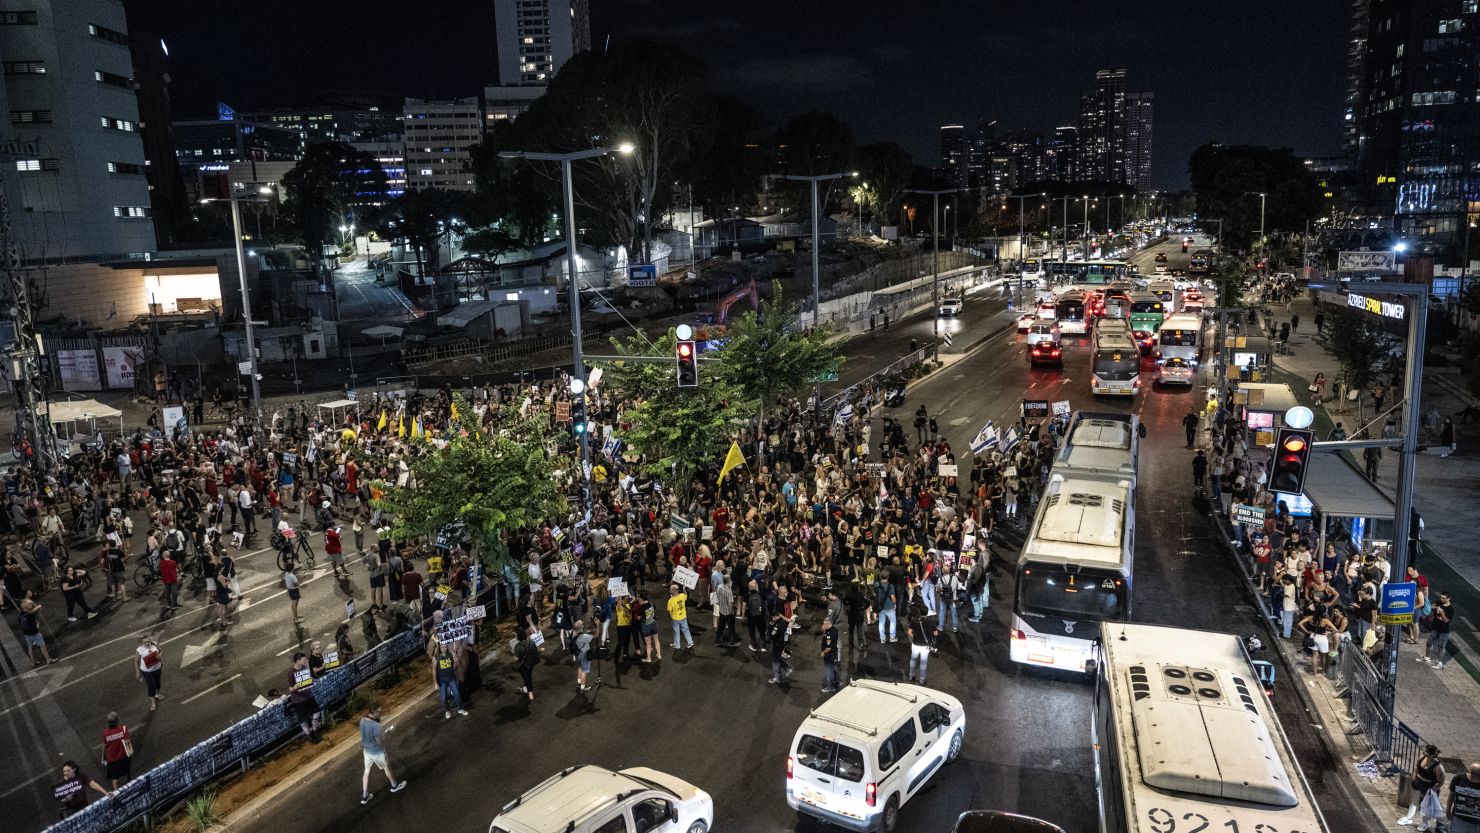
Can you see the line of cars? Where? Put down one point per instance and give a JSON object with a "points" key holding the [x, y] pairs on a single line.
{"points": [[854, 762]]}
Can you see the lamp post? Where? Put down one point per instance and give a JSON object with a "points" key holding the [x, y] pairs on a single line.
{"points": [[241, 274], [578, 360], [1022, 241], [1261, 195], [935, 256], [816, 267], [1084, 241]]}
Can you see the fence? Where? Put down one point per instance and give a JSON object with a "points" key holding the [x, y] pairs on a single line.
{"points": [[857, 389], [1395, 745]]}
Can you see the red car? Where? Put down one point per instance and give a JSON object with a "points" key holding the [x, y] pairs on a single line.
{"points": [[1046, 352]]}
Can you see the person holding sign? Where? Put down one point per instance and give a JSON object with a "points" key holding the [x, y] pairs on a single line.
{"points": [[444, 673]]}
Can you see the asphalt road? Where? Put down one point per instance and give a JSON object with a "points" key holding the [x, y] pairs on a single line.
{"points": [[711, 718]]}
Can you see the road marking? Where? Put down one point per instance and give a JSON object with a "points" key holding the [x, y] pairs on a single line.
{"points": [[194, 653], [192, 698]]}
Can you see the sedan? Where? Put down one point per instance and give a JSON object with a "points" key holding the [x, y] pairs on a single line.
{"points": [[1046, 352], [1145, 341], [1174, 371], [1025, 321]]}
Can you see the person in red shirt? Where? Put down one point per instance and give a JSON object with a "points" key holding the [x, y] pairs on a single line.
{"points": [[169, 576], [335, 550], [118, 751]]}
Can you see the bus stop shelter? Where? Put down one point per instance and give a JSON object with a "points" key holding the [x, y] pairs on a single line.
{"points": [[1262, 407], [1344, 506]]}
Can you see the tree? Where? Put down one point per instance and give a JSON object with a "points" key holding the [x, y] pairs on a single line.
{"points": [[884, 171], [490, 483], [724, 165], [1360, 346], [678, 431], [1222, 177], [514, 198], [766, 359], [333, 185], [420, 217]]}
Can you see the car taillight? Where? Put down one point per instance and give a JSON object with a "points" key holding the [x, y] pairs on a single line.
{"points": [[1093, 382], [871, 794], [1018, 635], [788, 767], [1136, 383], [1056, 352]]}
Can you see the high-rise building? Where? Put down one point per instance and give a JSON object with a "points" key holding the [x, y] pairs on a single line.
{"points": [[1139, 109], [535, 39], [76, 183], [953, 156], [1060, 157], [167, 197], [1089, 155], [1418, 139], [1356, 56], [438, 135]]}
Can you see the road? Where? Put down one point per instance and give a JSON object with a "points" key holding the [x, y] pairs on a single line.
{"points": [[711, 718]]}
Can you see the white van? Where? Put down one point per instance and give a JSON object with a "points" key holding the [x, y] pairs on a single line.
{"points": [[591, 799], [870, 748]]}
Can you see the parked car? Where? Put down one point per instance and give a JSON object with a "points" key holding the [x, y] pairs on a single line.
{"points": [[592, 799]]}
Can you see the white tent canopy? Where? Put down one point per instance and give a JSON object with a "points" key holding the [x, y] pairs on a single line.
{"points": [[384, 331], [66, 416]]}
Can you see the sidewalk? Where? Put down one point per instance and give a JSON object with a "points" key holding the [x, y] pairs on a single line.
{"points": [[1443, 706]]}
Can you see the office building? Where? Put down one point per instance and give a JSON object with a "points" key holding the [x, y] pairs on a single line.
{"points": [[167, 197], [1356, 56], [76, 177], [338, 117], [1139, 109], [535, 39], [214, 141], [1060, 157], [1102, 128], [1418, 140], [953, 158], [437, 137], [392, 159]]}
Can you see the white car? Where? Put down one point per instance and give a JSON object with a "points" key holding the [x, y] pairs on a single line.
{"points": [[1025, 321], [1174, 371], [591, 799], [869, 749], [1159, 269], [1043, 330], [950, 306]]}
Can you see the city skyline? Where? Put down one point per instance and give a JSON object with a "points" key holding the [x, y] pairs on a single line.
{"points": [[982, 64]]}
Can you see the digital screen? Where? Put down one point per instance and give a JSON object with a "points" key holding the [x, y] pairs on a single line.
{"points": [[1260, 419], [1299, 505], [1245, 359]]}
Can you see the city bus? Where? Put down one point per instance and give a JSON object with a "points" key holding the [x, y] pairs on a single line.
{"points": [[1087, 273], [1032, 269], [1147, 312], [1072, 311], [1185, 738], [1074, 571], [1200, 261], [1101, 442], [1180, 336], [1115, 367], [1167, 292]]}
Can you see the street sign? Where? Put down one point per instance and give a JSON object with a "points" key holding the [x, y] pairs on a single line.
{"points": [[1248, 515], [642, 274], [1397, 602]]}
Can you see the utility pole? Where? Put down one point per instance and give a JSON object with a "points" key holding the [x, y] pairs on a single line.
{"points": [[816, 265], [33, 381], [935, 284]]}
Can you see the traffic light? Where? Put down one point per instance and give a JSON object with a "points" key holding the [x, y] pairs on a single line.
{"points": [[1291, 460], [578, 414], [688, 364]]}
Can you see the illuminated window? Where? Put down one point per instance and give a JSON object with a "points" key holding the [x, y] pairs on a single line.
{"points": [[113, 80], [131, 212], [30, 117], [109, 35], [118, 124], [25, 67]]}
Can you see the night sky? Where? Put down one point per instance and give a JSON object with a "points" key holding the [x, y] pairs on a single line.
{"points": [[1257, 71]]}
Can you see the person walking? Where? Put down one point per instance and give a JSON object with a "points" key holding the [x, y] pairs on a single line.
{"points": [[778, 634], [1200, 471], [30, 622], [647, 618], [1436, 650], [334, 548], [724, 609], [528, 655], [830, 659], [149, 670], [444, 674], [922, 632], [1464, 801], [72, 593], [581, 648], [978, 590], [71, 792], [1425, 779], [1189, 423], [169, 576], [118, 752], [755, 616], [372, 748], [115, 566]]}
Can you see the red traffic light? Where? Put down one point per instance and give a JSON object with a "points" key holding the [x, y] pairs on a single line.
{"points": [[1295, 445], [685, 349]]}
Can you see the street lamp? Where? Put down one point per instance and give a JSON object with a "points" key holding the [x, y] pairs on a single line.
{"points": [[578, 361], [935, 256], [241, 273], [1261, 195], [817, 237]]}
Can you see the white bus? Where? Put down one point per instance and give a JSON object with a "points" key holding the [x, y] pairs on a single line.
{"points": [[1115, 365], [1185, 739], [1101, 442], [1072, 311], [1181, 337], [1074, 571], [1171, 299]]}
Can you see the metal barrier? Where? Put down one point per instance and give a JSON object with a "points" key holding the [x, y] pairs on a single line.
{"points": [[849, 393], [235, 747], [1396, 746]]}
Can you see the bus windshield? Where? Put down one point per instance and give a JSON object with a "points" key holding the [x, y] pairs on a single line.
{"points": [[1177, 338], [1086, 595], [1146, 306], [1070, 310], [1117, 365]]}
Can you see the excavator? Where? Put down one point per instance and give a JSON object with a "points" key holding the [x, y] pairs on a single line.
{"points": [[717, 323]]}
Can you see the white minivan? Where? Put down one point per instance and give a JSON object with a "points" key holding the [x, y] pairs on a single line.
{"points": [[858, 757], [592, 799]]}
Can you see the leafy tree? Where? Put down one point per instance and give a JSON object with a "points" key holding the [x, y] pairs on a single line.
{"points": [[513, 197], [421, 217], [333, 185], [1222, 176], [1360, 346], [767, 360], [491, 483], [884, 172], [814, 143], [678, 431], [724, 164]]}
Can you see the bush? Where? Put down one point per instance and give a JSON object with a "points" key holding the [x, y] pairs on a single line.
{"points": [[202, 811]]}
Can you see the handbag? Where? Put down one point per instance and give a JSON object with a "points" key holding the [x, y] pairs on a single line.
{"points": [[1311, 388]]}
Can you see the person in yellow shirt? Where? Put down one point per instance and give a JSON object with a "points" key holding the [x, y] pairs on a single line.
{"points": [[622, 610], [678, 611], [598, 473]]}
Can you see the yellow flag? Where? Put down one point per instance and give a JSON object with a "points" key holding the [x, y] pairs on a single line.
{"points": [[416, 431], [733, 459], [454, 412], [380, 426], [401, 425]]}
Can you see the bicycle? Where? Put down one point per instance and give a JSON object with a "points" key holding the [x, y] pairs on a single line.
{"points": [[289, 557], [147, 572]]}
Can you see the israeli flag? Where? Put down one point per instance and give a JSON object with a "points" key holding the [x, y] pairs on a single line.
{"points": [[1011, 441], [844, 414], [609, 448], [985, 439]]}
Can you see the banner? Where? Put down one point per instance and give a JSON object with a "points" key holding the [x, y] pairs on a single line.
{"points": [[123, 364], [1035, 408], [1367, 261], [78, 370]]}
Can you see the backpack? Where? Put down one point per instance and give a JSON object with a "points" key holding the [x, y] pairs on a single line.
{"points": [[528, 654]]}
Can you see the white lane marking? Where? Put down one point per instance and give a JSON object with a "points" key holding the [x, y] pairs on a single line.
{"points": [[192, 698]]}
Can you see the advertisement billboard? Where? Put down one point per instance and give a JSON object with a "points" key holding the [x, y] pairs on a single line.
{"points": [[78, 370], [1367, 261], [123, 366]]}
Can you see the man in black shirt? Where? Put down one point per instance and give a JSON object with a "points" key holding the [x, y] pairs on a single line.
{"points": [[1364, 612], [1436, 651], [922, 632], [829, 655], [780, 668]]}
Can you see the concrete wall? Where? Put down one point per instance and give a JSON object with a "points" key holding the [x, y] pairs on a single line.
{"points": [[111, 296]]}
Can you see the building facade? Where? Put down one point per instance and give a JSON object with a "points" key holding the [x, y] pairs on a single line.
{"points": [[1139, 109], [537, 37], [74, 172], [437, 137], [1418, 138], [953, 157]]}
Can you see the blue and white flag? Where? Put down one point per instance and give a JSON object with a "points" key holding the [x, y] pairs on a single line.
{"points": [[844, 414], [985, 439], [609, 448], [1011, 440]]}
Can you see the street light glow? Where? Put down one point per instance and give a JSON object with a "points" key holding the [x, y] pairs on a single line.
{"points": [[626, 147], [1400, 247]]}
